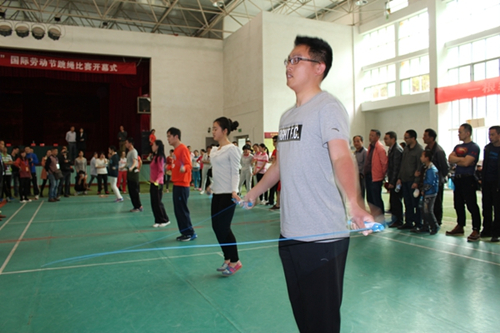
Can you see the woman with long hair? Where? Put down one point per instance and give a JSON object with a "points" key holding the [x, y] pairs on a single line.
{"points": [[156, 176], [225, 161]]}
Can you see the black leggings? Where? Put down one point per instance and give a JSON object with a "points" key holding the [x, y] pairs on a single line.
{"points": [[222, 215], [24, 188]]}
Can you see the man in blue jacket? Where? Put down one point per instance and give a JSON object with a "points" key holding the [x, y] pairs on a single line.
{"points": [[33, 159]]}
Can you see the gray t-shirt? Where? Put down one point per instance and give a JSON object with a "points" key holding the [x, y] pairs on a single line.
{"points": [[131, 156], [311, 203]]}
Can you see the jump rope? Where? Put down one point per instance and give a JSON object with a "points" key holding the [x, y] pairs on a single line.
{"points": [[369, 226]]}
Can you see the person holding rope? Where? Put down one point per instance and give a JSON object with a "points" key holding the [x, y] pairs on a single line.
{"points": [[313, 215], [225, 172]]}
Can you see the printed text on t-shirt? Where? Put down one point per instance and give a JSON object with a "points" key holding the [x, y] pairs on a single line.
{"points": [[290, 133]]}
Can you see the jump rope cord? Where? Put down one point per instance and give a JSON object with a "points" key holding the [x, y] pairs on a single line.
{"points": [[373, 226]]}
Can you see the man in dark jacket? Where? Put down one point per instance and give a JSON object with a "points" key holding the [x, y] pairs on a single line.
{"points": [[66, 169], [395, 155], [441, 163], [491, 185]]}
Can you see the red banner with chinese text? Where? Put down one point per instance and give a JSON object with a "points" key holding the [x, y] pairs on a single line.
{"points": [[468, 90], [9, 59]]}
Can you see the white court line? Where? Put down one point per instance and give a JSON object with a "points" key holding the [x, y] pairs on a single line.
{"points": [[19, 240], [442, 251], [455, 245], [10, 218]]}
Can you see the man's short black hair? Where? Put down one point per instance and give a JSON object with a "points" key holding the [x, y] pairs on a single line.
{"points": [[467, 127], [130, 140], [412, 133], [174, 132], [431, 133], [392, 135], [496, 128], [376, 132], [113, 148], [318, 50], [358, 136]]}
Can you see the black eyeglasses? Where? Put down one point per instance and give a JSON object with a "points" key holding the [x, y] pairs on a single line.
{"points": [[296, 60]]}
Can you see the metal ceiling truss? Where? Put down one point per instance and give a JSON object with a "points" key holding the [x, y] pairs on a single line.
{"points": [[194, 18]]}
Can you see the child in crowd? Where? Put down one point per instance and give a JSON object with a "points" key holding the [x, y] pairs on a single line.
{"points": [[196, 170], [429, 192]]}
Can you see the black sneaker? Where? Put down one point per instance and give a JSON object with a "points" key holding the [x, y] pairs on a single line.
{"points": [[486, 233], [405, 226], [186, 238], [494, 239]]}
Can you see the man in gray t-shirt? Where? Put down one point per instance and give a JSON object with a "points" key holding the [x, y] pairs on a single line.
{"points": [[317, 173]]}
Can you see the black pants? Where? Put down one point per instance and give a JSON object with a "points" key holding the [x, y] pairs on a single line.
{"points": [[374, 193], [222, 215], [133, 189], [314, 274], [159, 212], [65, 183], [16, 179], [100, 180], [34, 182], [272, 193], [396, 206], [491, 205], [180, 196], [92, 177], [362, 186], [465, 195], [7, 179], [438, 204], [44, 182], [24, 188], [265, 194]]}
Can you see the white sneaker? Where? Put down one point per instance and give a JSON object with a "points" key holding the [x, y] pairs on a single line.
{"points": [[202, 192], [263, 202], [36, 197], [23, 201], [156, 225], [29, 200], [164, 224]]}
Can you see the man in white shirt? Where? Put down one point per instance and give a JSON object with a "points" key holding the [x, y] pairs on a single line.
{"points": [[71, 140]]}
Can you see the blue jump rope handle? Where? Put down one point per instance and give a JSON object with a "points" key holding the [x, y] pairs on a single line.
{"points": [[242, 203], [374, 226]]}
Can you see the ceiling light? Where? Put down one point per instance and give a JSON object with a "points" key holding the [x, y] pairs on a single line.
{"points": [[54, 33], [22, 30], [38, 32], [217, 3], [57, 18], [5, 29], [2, 14], [361, 2]]}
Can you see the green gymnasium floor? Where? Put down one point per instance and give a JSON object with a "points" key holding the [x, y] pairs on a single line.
{"points": [[395, 281]]}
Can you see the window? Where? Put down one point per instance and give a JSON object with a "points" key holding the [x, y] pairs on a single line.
{"points": [[380, 83], [473, 61], [379, 45], [466, 17], [413, 34], [414, 75]]}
